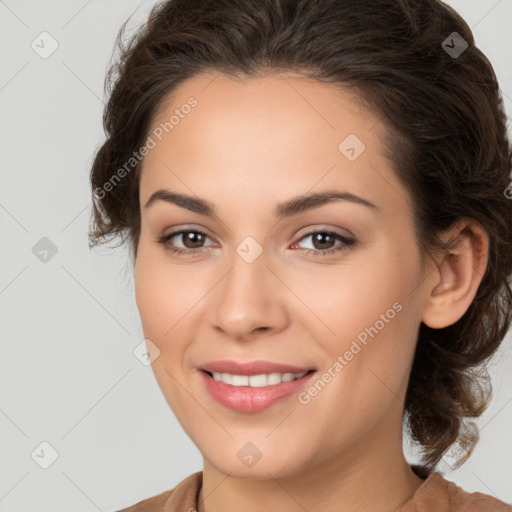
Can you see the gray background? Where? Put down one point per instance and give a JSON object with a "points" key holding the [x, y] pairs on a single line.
{"points": [[69, 325]]}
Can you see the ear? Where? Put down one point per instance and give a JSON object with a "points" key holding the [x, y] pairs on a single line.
{"points": [[453, 285]]}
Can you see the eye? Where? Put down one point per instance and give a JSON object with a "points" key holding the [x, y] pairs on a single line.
{"points": [[192, 240], [325, 240]]}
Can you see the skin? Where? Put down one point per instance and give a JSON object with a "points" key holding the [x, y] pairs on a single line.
{"points": [[246, 147]]}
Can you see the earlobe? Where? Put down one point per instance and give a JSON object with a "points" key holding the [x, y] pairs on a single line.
{"points": [[453, 287]]}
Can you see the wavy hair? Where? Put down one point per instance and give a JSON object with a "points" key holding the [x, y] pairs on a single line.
{"points": [[445, 134]]}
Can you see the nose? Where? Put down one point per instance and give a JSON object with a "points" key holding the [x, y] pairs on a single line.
{"points": [[249, 300]]}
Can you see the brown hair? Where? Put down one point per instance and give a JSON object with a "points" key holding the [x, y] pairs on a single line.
{"points": [[446, 136]]}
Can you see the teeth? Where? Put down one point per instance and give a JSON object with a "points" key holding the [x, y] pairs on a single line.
{"points": [[256, 381]]}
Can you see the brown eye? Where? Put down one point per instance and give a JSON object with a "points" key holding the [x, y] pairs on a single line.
{"points": [[323, 240], [192, 242], [192, 239], [324, 243]]}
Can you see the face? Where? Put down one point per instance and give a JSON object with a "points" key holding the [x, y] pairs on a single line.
{"points": [[327, 287]]}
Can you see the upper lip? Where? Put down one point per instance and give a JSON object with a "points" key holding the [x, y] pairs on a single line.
{"points": [[251, 367]]}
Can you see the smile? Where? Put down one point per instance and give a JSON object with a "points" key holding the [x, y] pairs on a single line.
{"points": [[253, 393]]}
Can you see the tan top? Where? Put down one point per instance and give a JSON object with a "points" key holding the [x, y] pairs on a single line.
{"points": [[436, 494]]}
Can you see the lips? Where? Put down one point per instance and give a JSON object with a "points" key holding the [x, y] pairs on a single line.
{"points": [[247, 399], [252, 367]]}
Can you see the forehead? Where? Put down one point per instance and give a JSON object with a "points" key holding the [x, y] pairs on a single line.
{"points": [[269, 102], [279, 133]]}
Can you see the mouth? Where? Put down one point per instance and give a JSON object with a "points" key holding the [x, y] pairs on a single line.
{"points": [[254, 393]]}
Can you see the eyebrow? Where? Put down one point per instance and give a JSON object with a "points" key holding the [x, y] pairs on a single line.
{"points": [[287, 209]]}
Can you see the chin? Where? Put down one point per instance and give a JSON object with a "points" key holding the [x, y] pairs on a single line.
{"points": [[245, 460]]}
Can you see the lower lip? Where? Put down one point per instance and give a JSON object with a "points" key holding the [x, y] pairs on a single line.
{"points": [[249, 399]]}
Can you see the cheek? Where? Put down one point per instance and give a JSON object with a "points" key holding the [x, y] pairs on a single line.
{"points": [[163, 293], [168, 298], [149, 297], [162, 299], [371, 316], [153, 296], [349, 296]]}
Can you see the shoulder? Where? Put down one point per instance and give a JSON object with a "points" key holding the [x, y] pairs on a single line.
{"points": [[155, 503], [438, 493], [182, 497]]}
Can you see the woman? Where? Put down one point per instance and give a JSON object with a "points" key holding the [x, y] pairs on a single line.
{"points": [[243, 136]]}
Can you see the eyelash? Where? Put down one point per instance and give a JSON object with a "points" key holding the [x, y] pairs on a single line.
{"points": [[346, 243]]}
